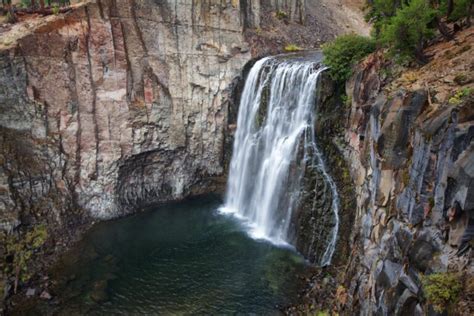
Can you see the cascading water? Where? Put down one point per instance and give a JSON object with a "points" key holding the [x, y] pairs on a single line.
{"points": [[274, 143]]}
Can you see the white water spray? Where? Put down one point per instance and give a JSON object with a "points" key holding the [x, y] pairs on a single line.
{"points": [[275, 122]]}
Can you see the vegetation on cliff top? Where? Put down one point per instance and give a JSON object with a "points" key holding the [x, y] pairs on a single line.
{"points": [[403, 28], [345, 52], [405, 33], [43, 7]]}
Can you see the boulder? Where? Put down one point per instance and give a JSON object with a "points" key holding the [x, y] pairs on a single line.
{"points": [[407, 304], [404, 238], [422, 251], [408, 282], [389, 276]]}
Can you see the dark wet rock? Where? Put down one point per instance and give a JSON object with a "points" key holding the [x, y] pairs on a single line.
{"points": [[71, 278], [389, 274], [409, 283], [407, 304], [422, 252], [463, 172], [418, 310], [314, 218], [404, 238]]}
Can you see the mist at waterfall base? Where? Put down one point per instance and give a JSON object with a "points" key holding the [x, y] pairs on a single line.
{"points": [[183, 258]]}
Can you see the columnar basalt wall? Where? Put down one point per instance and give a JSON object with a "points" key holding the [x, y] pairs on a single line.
{"points": [[295, 9], [126, 98], [411, 156]]}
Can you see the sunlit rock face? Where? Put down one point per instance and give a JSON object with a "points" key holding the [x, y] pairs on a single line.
{"points": [[125, 101]]}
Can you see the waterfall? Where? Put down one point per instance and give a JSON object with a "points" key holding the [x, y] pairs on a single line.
{"points": [[274, 141]]}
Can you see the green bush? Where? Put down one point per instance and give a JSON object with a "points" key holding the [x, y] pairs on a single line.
{"points": [[344, 52], [460, 9], [442, 290], [21, 249], [458, 97], [25, 3], [405, 26], [55, 9], [379, 11], [281, 15], [292, 48]]}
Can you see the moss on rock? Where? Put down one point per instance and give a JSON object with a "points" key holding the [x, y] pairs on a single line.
{"points": [[442, 290]]}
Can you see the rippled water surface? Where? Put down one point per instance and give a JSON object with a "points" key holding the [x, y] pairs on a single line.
{"points": [[181, 258]]}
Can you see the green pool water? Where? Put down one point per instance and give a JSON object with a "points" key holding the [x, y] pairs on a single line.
{"points": [[180, 259]]}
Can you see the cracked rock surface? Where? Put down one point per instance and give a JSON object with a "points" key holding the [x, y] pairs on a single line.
{"points": [[124, 99]]}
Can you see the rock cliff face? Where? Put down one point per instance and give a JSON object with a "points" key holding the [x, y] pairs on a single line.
{"points": [[314, 216], [411, 155], [120, 103], [123, 102]]}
